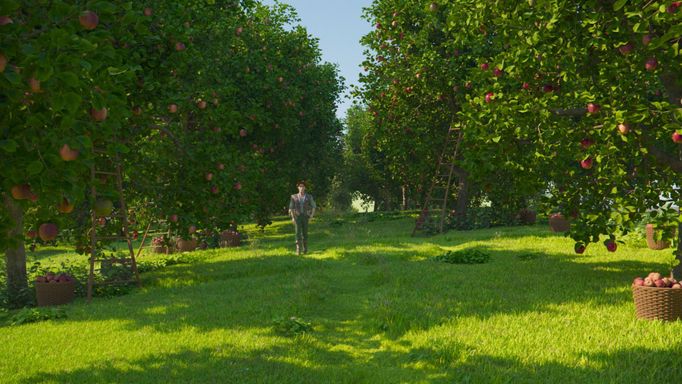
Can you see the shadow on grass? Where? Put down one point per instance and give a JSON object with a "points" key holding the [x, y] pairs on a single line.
{"points": [[452, 363], [387, 293]]}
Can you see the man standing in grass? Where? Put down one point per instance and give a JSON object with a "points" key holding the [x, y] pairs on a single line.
{"points": [[301, 209]]}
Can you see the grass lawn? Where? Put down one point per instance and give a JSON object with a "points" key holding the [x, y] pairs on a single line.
{"points": [[381, 312]]}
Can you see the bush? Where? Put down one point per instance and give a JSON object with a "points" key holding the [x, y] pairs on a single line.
{"points": [[466, 256]]}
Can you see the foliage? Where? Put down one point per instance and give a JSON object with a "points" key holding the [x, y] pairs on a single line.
{"points": [[291, 326], [579, 98], [34, 315], [214, 107], [465, 256]]}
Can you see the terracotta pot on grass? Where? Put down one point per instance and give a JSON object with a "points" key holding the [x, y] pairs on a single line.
{"points": [[651, 239], [186, 245]]}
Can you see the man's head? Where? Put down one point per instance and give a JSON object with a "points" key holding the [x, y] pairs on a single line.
{"points": [[301, 186]]}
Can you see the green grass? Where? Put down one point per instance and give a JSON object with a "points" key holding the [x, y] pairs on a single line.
{"points": [[381, 311]]}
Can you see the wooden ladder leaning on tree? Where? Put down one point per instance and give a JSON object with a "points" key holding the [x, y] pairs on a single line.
{"points": [[439, 190], [105, 167]]}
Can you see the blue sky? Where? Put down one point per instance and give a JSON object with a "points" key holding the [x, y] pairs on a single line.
{"points": [[338, 25]]}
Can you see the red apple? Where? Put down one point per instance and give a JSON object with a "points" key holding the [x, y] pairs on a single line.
{"points": [[579, 248], [238, 31], [498, 72], [586, 143], [237, 186], [654, 276], [626, 48], [21, 192], [547, 88], [623, 128], [47, 231], [377, 25], [99, 114], [68, 154], [201, 104], [638, 282], [221, 166], [179, 46], [32, 234], [593, 108], [651, 64], [648, 282], [646, 39], [672, 8], [676, 286], [173, 108], [525, 86], [3, 62], [148, 12], [137, 110], [485, 66], [65, 206], [587, 163], [659, 283], [242, 132], [34, 84], [611, 245], [214, 189], [677, 137], [192, 229], [489, 97], [4, 20], [174, 218], [89, 20], [209, 176]]}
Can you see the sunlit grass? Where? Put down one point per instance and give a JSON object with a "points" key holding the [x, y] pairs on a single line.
{"points": [[382, 312]]}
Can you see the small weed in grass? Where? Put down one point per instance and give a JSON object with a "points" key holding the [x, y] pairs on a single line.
{"points": [[292, 326], [34, 315], [528, 256], [466, 256]]}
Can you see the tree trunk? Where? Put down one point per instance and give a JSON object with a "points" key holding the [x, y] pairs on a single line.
{"points": [[403, 206], [15, 256], [677, 271]]}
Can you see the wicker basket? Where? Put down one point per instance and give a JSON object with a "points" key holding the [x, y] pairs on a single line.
{"points": [[658, 303], [229, 239], [54, 293], [653, 244], [558, 223]]}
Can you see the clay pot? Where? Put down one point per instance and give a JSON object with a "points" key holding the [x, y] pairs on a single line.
{"points": [[651, 242], [186, 245]]}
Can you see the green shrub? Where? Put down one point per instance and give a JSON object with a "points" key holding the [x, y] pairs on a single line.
{"points": [[291, 326], [466, 256]]}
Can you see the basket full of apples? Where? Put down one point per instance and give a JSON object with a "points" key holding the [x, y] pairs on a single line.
{"points": [[54, 289], [657, 297]]}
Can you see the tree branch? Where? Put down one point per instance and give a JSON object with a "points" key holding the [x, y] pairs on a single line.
{"points": [[569, 112]]}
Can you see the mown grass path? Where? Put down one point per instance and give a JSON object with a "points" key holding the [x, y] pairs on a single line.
{"points": [[382, 312]]}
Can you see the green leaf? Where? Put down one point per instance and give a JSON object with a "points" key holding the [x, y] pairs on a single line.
{"points": [[113, 71], [68, 78], [72, 101], [34, 168], [9, 145], [619, 4], [497, 139]]}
